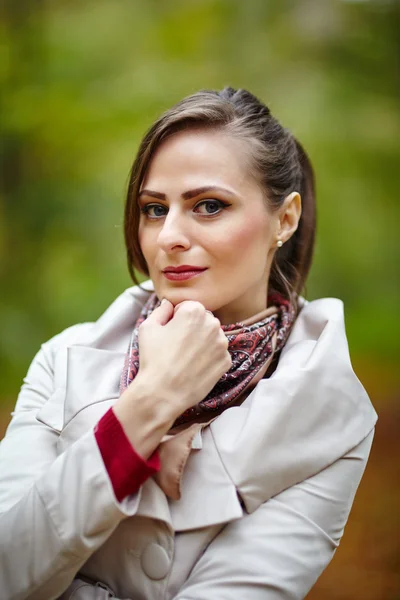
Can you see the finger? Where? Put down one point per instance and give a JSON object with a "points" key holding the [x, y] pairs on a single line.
{"points": [[187, 303], [162, 314], [210, 316], [225, 341]]}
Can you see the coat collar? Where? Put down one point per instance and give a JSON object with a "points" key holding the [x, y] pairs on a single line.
{"points": [[312, 408]]}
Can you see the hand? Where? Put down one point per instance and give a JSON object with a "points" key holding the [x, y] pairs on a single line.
{"points": [[183, 352]]}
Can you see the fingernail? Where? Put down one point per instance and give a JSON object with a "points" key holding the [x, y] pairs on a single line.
{"points": [[164, 300]]}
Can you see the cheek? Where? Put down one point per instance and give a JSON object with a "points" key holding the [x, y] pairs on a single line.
{"points": [[243, 240], [146, 242]]}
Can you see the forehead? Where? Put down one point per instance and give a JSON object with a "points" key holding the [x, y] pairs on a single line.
{"points": [[193, 158]]}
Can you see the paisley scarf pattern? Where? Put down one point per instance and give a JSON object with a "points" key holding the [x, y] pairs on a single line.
{"points": [[252, 344]]}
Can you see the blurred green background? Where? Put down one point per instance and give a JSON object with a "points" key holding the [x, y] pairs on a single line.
{"points": [[82, 81]]}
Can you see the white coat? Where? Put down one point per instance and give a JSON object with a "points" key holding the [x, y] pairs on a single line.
{"points": [[266, 491]]}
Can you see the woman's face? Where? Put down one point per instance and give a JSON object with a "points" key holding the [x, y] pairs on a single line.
{"points": [[201, 208]]}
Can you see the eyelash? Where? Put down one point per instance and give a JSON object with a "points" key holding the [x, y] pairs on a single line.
{"points": [[222, 206]]}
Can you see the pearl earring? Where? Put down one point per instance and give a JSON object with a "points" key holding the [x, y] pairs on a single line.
{"points": [[279, 243]]}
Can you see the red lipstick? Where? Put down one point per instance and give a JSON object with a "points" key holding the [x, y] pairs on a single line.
{"points": [[182, 272]]}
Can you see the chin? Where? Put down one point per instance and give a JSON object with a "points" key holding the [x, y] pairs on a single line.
{"points": [[177, 295]]}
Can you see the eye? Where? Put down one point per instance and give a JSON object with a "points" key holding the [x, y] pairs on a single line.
{"points": [[154, 211], [211, 207]]}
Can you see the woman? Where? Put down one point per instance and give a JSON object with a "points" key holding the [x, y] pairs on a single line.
{"points": [[209, 445]]}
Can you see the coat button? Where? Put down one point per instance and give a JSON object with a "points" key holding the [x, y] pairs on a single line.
{"points": [[155, 562]]}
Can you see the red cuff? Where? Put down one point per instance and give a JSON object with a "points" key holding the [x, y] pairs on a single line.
{"points": [[127, 469]]}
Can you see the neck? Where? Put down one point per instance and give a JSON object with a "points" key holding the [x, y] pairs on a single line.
{"points": [[253, 301]]}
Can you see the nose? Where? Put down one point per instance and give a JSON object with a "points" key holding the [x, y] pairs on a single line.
{"points": [[174, 235]]}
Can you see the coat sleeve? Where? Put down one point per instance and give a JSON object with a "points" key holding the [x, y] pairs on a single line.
{"points": [[55, 509], [279, 551]]}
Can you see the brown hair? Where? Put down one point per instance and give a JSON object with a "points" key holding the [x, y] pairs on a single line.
{"points": [[278, 161]]}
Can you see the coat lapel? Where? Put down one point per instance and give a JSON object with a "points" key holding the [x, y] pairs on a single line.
{"points": [[92, 366], [93, 377]]}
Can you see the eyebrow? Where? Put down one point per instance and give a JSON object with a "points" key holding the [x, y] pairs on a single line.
{"points": [[189, 194]]}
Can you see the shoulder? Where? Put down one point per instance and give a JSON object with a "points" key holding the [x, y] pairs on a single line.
{"points": [[129, 302], [83, 344], [317, 348], [321, 309], [317, 320]]}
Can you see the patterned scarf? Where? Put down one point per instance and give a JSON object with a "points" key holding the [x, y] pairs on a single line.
{"points": [[252, 345]]}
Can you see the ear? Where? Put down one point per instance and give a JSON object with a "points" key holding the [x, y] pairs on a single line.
{"points": [[289, 216]]}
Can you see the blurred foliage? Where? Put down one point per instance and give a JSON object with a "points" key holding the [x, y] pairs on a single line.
{"points": [[82, 81]]}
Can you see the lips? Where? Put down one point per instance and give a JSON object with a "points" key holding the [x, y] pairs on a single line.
{"points": [[183, 269], [183, 273]]}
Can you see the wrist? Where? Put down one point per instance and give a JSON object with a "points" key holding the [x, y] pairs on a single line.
{"points": [[144, 416]]}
